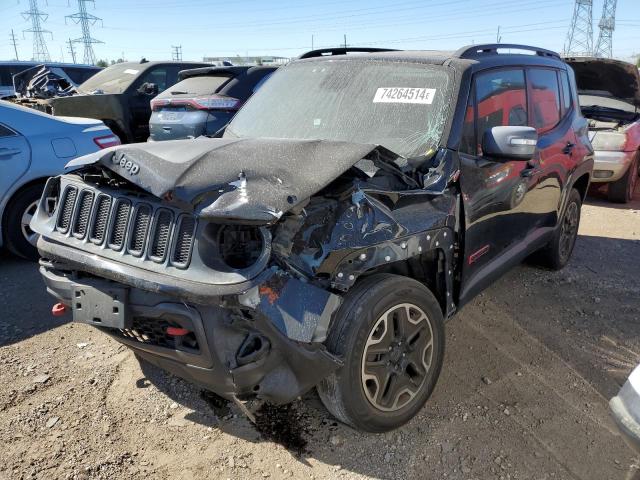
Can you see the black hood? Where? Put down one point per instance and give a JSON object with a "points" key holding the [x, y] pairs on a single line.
{"points": [[250, 180], [607, 77]]}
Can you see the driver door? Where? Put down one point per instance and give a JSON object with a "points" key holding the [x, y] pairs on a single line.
{"points": [[497, 193]]}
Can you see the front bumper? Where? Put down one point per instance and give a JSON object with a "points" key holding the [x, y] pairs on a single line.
{"points": [[240, 345], [610, 166], [625, 408]]}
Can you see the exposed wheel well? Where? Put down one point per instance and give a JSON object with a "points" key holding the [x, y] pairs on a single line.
{"points": [[113, 126], [582, 185]]}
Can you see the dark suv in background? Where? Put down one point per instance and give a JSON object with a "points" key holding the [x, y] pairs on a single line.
{"points": [[352, 205], [203, 101], [119, 95]]}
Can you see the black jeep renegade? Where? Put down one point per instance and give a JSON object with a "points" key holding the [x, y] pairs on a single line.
{"points": [[353, 204]]}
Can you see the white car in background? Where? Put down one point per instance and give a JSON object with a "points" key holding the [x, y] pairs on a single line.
{"points": [[33, 147]]}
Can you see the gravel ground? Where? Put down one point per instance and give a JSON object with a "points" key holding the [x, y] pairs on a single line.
{"points": [[529, 368]]}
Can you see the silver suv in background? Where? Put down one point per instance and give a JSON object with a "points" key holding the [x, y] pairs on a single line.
{"points": [[203, 101]]}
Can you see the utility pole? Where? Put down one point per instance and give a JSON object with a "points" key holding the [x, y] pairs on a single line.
{"points": [[498, 37], [312, 41], [580, 36], [13, 41], [72, 50], [176, 53], [604, 44], [85, 20], [345, 40], [40, 51]]}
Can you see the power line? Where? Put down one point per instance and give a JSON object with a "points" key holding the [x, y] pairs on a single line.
{"points": [[85, 19], [40, 51], [604, 45], [13, 41], [580, 36]]}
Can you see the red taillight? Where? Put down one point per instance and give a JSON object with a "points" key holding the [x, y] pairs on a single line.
{"points": [[107, 141], [210, 102]]}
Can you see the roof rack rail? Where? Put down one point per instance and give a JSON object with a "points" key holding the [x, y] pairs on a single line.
{"points": [[321, 52], [475, 51]]}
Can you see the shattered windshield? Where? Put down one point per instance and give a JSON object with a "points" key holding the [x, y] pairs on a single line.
{"points": [[401, 106]]}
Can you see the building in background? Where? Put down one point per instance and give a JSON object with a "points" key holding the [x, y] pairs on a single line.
{"points": [[249, 61]]}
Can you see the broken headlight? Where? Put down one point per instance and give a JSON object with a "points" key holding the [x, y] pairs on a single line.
{"points": [[234, 247]]}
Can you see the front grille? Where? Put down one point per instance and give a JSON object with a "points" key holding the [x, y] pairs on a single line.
{"points": [[68, 203], [83, 212], [122, 224]]}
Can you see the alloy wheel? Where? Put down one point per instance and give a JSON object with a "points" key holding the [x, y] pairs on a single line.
{"points": [[397, 357], [569, 230], [29, 235]]}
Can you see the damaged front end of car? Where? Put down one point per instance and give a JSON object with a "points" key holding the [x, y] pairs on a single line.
{"points": [[223, 261]]}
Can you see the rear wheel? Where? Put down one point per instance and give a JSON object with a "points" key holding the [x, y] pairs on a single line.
{"points": [[621, 191], [21, 240], [390, 333], [558, 252]]}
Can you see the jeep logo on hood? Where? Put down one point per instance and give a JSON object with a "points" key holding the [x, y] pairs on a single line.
{"points": [[131, 167]]}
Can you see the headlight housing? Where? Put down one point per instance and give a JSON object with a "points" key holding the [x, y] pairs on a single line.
{"points": [[609, 141]]}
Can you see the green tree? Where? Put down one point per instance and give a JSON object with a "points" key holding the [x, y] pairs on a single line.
{"points": [[102, 63]]}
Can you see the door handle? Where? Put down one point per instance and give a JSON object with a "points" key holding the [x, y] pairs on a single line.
{"points": [[568, 148], [9, 152]]}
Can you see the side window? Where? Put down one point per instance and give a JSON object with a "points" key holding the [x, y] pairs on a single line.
{"points": [[158, 75], [501, 98], [566, 92], [545, 98], [6, 132], [468, 141]]}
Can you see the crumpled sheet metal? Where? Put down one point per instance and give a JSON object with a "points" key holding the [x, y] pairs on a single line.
{"points": [[43, 82], [299, 310], [249, 180]]}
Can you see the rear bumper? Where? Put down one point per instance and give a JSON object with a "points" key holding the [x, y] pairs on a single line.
{"points": [[610, 166], [235, 348], [625, 408]]}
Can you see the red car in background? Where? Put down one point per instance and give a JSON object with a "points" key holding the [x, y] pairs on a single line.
{"points": [[609, 92]]}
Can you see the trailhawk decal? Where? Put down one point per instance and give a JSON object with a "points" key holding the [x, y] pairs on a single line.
{"points": [[404, 95]]}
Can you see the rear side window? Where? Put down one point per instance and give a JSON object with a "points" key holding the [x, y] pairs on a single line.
{"points": [[501, 100], [545, 98], [566, 92], [205, 85]]}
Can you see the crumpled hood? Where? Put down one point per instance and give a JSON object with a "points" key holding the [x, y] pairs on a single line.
{"points": [[607, 77], [253, 180]]}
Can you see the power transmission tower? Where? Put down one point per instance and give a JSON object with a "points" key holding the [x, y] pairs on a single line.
{"points": [[604, 45], [85, 19], [72, 51], [40, 51], [13, 41], [580, 37], [176, 53]]}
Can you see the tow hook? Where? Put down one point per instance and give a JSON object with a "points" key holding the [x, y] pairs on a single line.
{"points": [[58, 310]]}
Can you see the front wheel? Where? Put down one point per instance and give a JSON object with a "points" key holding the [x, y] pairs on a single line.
{"points": [[621, 191], [390, 333], [21, 240]]}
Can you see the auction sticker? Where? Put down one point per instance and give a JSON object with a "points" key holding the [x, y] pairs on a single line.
{"points": [[404, 95]]}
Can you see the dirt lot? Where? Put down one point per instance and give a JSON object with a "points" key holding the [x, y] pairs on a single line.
{"points": [[530, 365]]}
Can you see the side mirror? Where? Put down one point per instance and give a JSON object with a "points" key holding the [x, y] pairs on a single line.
{"points": [[510, 143], [148, 89]]}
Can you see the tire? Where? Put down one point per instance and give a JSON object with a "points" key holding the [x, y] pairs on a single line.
{"points": [[352, 394], [558, 252], [621, 191], [20, 239]]}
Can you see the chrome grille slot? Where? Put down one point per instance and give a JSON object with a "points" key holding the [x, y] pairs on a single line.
{"points": [[119, 223], [66, 211], [100, 219], [183, 243], [139, 230], [82, 214], [161, 235]]}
